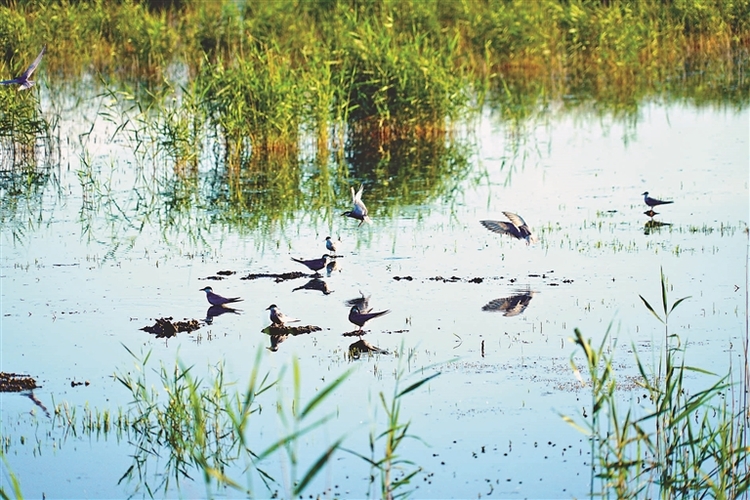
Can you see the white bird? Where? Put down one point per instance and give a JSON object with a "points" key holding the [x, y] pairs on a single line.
{"points": [[332, 245], [359, 210], [278, 318], [516, 228], [217, 300], [23, 80]]}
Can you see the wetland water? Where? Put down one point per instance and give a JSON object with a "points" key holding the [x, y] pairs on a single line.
{"points": [[109, 241]]}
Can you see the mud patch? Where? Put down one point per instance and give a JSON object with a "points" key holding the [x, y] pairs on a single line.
{"points": [[278, 334], [276, 276], [166, 328], [14, 382]]}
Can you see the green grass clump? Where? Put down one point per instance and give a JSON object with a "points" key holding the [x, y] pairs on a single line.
{"points": [[681, 444]]}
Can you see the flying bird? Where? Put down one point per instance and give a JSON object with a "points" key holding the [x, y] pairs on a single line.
{"points": [[314, 264], [516, 228], [359, 210], [653, 202], [23, 80], [278, 318], [217, 300], [360, 318]]}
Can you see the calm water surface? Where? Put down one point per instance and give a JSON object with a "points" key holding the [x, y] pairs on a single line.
{"points": [[83, 268]]}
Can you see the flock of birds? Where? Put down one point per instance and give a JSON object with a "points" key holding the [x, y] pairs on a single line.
{"points": [[360, 313]]}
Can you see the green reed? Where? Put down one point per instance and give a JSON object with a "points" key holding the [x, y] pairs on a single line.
{"points": [[682, 443]]}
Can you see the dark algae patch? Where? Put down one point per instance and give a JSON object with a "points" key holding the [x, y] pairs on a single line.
{"points": [[14, 382], [166, 328]]}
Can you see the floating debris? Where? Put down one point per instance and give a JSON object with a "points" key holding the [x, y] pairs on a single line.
{"points": [[14, 382], [279, 333], [166, 328], [278, 277]]}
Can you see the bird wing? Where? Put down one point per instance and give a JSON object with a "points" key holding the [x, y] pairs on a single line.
{"points": [[515, 219], [498, 226], [9, 82], [33, 65]]}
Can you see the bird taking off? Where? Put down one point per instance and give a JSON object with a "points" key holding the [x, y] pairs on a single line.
{"points": [[359, 210], [23, 80]]}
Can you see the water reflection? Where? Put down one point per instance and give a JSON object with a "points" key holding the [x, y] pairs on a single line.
{"points": [[215, 311], [510, 306], [279, 333], [315, 284], [654, 226]]}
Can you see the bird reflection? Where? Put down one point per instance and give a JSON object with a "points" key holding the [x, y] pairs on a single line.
{"points": [[36, 401], [315, 284], [276, 340], [654, 226], [510, 306], [332, 267], [215, 311], [362, 346]]}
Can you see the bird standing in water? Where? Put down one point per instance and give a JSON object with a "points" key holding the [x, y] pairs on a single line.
{"points": [[359, 318], [278, 318], [359, 210], [516, 228], [217, 300], [332, 245], [314, 264], [653, 202], [23, 80]]}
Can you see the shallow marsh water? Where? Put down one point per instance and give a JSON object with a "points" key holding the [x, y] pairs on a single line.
{"points": [[103, 250]]}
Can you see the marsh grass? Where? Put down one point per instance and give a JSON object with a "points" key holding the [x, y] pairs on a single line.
{"points": [[681, 443]]}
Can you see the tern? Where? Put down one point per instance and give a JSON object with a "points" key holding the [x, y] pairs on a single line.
{"points": [[331, 245], [653, 202], [23, 80], [516, 228], [217, 300], [359, 210], [314, 264], [278, 318], [359, 318]]}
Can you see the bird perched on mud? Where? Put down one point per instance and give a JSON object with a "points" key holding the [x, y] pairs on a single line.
{"points": [[359, 210], [653, 202], [314, 264], [278, 318], [217, 300], [360, 318], [23, 80], [516, 228]]}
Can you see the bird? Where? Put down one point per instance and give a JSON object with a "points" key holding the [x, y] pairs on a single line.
{"points": [[359, 210], [653, 202], [516, 228], [360, 318], [217, 300], [278, 318], [331, 245], [23, 80], [314, 264], [362, 302]]}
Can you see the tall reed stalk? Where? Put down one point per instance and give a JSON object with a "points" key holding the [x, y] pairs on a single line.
{"points": [[679, 443]]}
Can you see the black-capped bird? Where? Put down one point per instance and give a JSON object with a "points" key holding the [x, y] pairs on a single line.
{"points": [[653, 202], [278, 318], [360, 318], [314, 264], [516, 228], [23, 80], [217, 300]]}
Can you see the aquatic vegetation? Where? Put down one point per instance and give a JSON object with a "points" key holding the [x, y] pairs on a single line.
{"points": [[679, 442]]}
